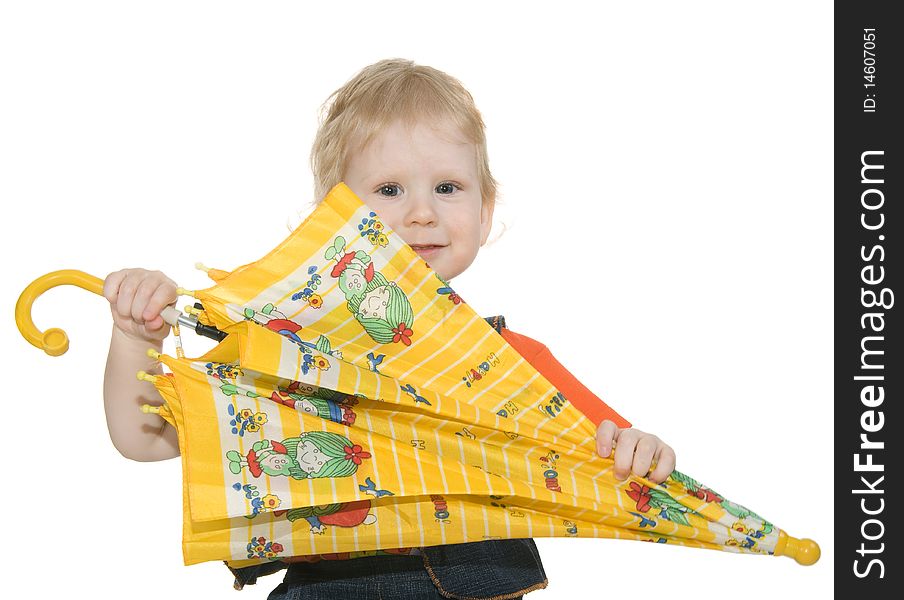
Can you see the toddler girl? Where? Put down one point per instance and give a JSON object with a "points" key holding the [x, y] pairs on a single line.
{"points": [[409, 141]]}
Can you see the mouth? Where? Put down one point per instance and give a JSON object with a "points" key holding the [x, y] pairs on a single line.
{"points": [[425, 250]]}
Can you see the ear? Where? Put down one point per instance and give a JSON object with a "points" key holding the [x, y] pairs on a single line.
{"points": [[486, 219]]}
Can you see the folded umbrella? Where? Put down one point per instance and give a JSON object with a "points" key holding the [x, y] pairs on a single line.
{"points": [[277, 468], [358, 403]]}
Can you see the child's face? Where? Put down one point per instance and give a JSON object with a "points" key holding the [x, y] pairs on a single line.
{"points": [[423, 183]]}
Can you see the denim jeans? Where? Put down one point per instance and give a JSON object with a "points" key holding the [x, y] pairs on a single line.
{"points": [[491, 570], [400, 576]]}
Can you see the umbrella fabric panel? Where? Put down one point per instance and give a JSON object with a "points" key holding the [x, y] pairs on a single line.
{"points": [[351, 528], [526, 409], [256, 472], [346, 285], [237, 425]]}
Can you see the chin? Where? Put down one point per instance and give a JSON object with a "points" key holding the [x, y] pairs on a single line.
{"points": [[441, 275]]}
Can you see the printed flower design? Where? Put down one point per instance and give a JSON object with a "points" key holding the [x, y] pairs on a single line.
{"points": [[258, 504], [355, 454], [321, 363], [372, 228], [270, 501], [641, 495], [259, 547], [740, 527], [705, 494], [223, 371], [246, 420], [449, 293], [403, 333], [307, 293]]}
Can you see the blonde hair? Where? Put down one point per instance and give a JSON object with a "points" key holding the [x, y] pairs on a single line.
{"points": [[382, 93]]}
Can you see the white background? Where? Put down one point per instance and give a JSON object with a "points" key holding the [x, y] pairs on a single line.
{"points": [[666, 179]]}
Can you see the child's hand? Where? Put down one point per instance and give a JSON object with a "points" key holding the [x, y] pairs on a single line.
{"points": [[635, 451], [136, 298]]}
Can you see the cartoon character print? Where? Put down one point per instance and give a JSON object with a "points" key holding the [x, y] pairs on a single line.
{"points": [[745, 516], [646, 498], [374, 360], [274, 320], [412, 391], [311, 454], [372, 489], [380, 306], [348, 514], [317, 402], [695, 488]]}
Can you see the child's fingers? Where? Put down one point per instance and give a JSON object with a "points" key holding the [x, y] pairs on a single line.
{"points": [[146, 287], [624, 454], [164, 295], [605, 434], [111, 285], [643, 455], [126, 296], [665, 464]]}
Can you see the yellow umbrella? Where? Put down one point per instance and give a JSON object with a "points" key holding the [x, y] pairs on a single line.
{"points": [[387, 413], [278, 467]]}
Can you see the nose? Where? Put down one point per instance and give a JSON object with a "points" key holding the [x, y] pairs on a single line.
{"points": [[420, 209]]}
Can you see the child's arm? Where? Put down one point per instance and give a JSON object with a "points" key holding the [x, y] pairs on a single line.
{"points": [[136, 298]]}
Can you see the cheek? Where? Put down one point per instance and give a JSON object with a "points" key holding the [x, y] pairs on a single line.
{"points": [[391, 216], [463, 230]]}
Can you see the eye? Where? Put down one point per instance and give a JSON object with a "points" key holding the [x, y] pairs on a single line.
{"points": [[447, 187], [388, 189]]}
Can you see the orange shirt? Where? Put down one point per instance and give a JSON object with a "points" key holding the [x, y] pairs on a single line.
{"points": [[574, 391]]}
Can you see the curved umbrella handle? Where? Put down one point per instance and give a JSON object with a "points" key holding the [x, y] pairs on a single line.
{"points": [[54, 341]]}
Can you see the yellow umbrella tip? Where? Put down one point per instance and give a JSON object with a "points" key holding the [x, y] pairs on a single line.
{"points": [[806, 552], [144, 376]]}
